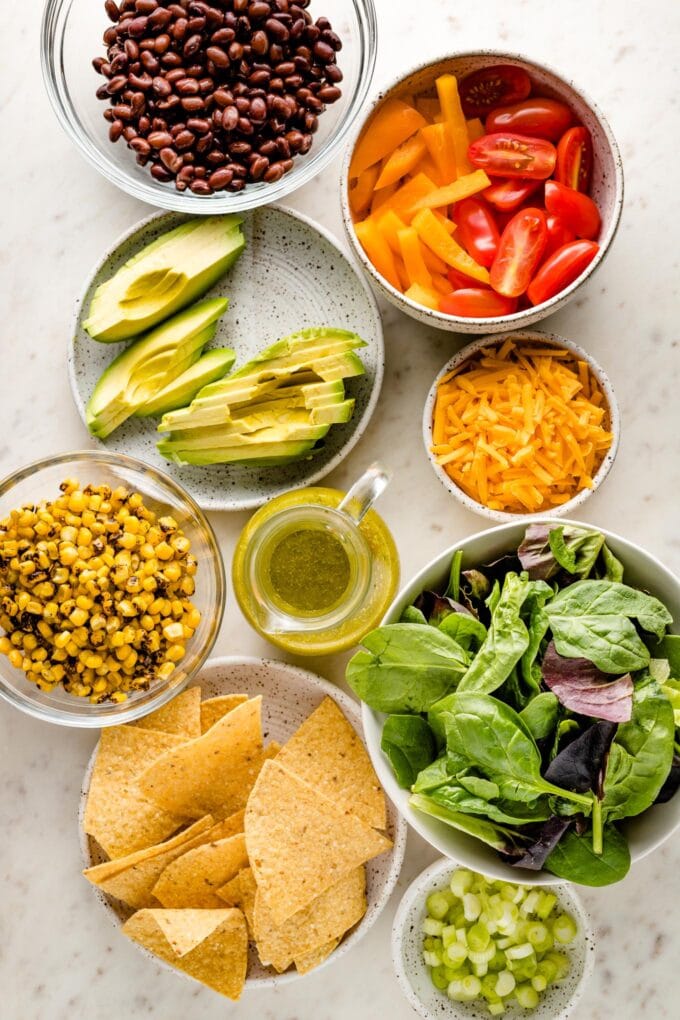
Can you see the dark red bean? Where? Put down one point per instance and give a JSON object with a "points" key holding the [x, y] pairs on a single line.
{"points": [[149, 62], [230, 118], [140, 81], [329, 94], [146, 6], [159, 19], [223, 97], [198, 124], [137, 27], [192, 104], [160, 139], [220, 178], [179, 29], [185, 139], [324, 52], [274, 173], [258, 167], [111, 9], [171, 160], [191, 46], [109, 115], [160, 173], [187, 87], [200, 187], [162, 87], [259, 9], [116, 84], [223, 36], [276, 30], [162, 43], [218, 56], [235, 51], [116, 130], [122, 112]]}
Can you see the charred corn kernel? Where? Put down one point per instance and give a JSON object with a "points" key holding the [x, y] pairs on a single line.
{"points": [[45, 590], [193, 618], [149, 584], [40, 654], [187, 586], [97, 621], [72, 648], [5, 645], [173, 632], [82, 602], [68, 554], [34, 608], [45, 630], [78, 617], [23, 598], [27, 567], [69, 535], [164, 551], [172, 572], [16, 658], [30, 641], [175, 653], [62, 638], [122, 652], [126, 608], [166, 670]]}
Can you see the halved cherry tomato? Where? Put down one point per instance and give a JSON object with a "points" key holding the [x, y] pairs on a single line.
{"points": [[575, 159], [477, 230], [477, 303], [561, 269], [459, 281], [559, 234], [508, 195], [519, 253], [509, 155], [488, 87], [540, 118], [576, 210]]}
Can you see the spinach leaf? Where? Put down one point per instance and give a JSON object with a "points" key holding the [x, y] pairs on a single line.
{"points": [[506, 640], [591, 619], [671, 688], [543, 842], [478, 786], [546, 548], [641, 755], [537, 624], [613, 567], [453, 587], [541, 715], [579, 765], [412, 615], [435, 608], [436, 774], [405, 668], [409, 744], [464, 629], [454, 798], [496, 836], [583, 688], [564, 728], [574, 860], [669, 648]]}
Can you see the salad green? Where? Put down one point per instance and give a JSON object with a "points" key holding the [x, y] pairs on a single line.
{"points": [[533, 704]]}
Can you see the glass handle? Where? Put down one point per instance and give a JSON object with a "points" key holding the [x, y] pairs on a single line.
{"points": [[365, 491]]}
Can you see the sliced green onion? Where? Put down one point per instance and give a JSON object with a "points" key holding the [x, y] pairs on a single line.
{"points": [[478, 937], [505, 983], [448, 935], [545, 906], [455, 954], [564, 929], [438, 905], [431, 959], [431, 926], [519, 952], [527, 996], [472, 906], [461, 881]]}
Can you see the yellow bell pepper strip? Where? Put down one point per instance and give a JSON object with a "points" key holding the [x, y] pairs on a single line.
{"points": [[406, 197], [378, 251], [389, 225], [416, 270], [427, 167], [434, 235], [361, 193], [464, 187], [447, 90], [393, 122], [439, 142], [475, 129], [433, 262], [423, 296], [403, 160], [429, 107], [442, 284], [382, 197]]}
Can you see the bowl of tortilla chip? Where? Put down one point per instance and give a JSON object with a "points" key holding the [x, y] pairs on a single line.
{"points": [[239, 834]]}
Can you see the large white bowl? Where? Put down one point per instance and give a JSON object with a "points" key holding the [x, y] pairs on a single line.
{"points": [[644, 833]]}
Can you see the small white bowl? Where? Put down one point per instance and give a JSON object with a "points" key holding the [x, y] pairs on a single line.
{"points": [[556, 1003], [545, 339], [606, 188]]}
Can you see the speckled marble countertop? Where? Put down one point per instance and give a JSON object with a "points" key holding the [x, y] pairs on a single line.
{"points": [[58, 957]]}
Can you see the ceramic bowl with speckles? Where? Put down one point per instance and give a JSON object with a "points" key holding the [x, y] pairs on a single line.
{"points": [[556, 1003], [289, 696], [606, 187], [291, 275], [612, 421]]}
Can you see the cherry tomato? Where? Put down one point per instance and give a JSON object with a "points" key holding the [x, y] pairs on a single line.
{"points": [[477, 230], [559, 234], [519, 253], [576, 210], [561, 269], [459, 281], [508, 195], [575, 159], [509, 155], [540, 118], [477, 303], [488, 87]]}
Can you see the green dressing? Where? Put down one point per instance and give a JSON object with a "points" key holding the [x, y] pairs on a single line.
{"points": [[309, 570]]}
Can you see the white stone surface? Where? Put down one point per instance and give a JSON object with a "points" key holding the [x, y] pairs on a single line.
{"points": [[58, 957]]}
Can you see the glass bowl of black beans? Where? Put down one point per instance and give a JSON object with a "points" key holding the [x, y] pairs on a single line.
{"points": [[208, 106]]}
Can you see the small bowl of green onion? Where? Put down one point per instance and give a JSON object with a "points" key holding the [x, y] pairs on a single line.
{"points": [[468, 946]]}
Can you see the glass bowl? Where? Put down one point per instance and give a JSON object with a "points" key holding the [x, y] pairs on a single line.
{"points": [[41, 480], [72, 35]]}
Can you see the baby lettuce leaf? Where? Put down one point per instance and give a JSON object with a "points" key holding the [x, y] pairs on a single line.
{"points": [[405, 668], [496, 836], [671, 688], [574, 859], [437, 774], [453, 587], [543, 842], [454, 798], [641, 755], [668, 648], [505, 642], [541, 715], [435, 608], [592, 619], [579, 765], [474, 585], [585, 689], [464, 629], [536, 619], [547, 548], [409, 744], [413, 615], [612, 567]]}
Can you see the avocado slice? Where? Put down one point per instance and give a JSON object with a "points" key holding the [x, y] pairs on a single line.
{"points": [[210, 366], [163, 277], [149, 365], [257, 455]]}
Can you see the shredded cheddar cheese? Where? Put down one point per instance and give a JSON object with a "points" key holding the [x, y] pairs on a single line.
{"points": [[521, 427]]}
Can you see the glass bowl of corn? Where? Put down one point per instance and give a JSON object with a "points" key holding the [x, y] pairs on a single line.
{"points": [[112, 589]]}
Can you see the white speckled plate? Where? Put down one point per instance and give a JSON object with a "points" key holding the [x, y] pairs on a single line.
{"points": [[291, 275], [289, 696]]}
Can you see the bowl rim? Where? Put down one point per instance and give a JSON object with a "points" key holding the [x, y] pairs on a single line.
{"points": [[370, 718], [52, 34], [428, 878], [252, 503], [533, 336], [350, 707], [88, 718], [434, 317]]}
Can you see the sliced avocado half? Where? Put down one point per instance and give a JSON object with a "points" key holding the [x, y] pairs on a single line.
{"points": [[164, 277], [210, 366], [257, 455]]}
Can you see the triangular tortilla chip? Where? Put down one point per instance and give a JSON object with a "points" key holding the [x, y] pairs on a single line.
{"points": [[193, 879], [118, 813], [272, 749], [299, 842], [240, 892], [181, 716], [327, 752], [218, 961], [213, 774], [326, 918], [212, 709], [228, 827], [309, 961], [131, 879]]}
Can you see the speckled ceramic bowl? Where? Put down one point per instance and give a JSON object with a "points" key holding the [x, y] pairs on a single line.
{"points": [[614, 422], [556, 1003], [289, 696], [292, 275], [606, 188]]}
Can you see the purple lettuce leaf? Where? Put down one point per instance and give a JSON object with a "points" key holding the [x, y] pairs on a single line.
{"points": [[583, 688], [544, 842], [580, 765]]}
